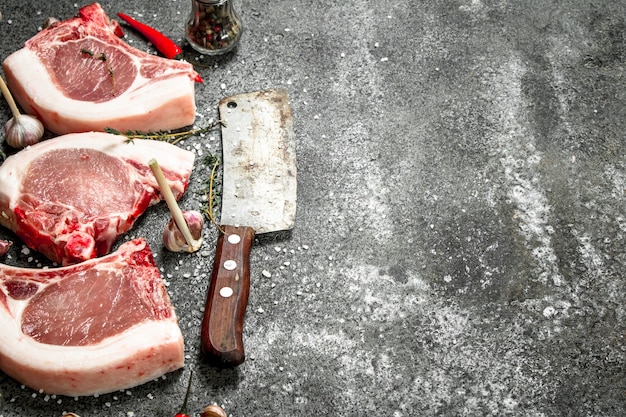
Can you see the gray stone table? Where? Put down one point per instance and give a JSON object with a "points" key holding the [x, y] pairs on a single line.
{"points": [[460, 242]]}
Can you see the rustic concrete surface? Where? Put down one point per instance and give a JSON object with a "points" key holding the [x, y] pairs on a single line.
{"points": [[459, 247]]}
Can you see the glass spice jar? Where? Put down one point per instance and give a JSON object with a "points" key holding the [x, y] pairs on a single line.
{"points": [[213, 26]]}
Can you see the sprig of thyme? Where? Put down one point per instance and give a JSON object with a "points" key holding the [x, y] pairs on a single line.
{"points": [[170, 137], [101, 57], [211, 197]]}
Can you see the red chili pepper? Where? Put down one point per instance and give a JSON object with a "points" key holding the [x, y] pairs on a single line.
{"points": [[165, 45]]}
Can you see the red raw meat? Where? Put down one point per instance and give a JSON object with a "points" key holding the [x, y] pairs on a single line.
{"points": [[4, 246], [78, 75], [96, 327], [70, 197]]}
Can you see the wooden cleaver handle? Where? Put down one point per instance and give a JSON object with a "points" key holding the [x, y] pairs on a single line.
{"points": [[222, 324]]}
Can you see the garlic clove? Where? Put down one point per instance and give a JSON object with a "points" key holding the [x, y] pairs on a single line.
{"points": [[22, 131], [173, 238], [213, 411]]}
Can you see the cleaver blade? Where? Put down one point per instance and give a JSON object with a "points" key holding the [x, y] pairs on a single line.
{"points": [[258, 196]]}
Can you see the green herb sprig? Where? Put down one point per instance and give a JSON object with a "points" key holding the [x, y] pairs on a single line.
{"points": [[170, 137], [102, 57], [211, 197]]}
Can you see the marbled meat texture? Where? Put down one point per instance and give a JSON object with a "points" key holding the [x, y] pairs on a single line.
{"points": [[70, 197], [96, 327], [78, 75]]}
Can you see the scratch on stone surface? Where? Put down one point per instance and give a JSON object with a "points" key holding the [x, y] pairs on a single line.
{"points": [[618, 180], [519, 159]]}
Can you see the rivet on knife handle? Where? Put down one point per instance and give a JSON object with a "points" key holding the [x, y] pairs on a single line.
{"points": [[222, 325]]}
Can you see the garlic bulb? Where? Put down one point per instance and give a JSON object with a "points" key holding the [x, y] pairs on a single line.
{"points": [[173, 238], [21, 130]]}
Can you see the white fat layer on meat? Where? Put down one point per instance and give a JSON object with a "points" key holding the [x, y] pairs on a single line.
{"points": [[60, 112], [143, 352]]}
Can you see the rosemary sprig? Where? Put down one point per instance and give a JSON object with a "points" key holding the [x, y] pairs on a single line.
{"points": [[170, 137]]}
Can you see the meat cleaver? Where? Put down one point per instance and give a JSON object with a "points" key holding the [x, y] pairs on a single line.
{"points": [[258, 196]]}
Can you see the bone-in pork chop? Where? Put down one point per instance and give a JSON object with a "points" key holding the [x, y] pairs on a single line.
{"points": [[70, 197], [96, 327], [78, 75]]}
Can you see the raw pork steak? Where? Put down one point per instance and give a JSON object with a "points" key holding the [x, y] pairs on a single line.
{"points": [[70, 197], [103, 325], [78, 75]]}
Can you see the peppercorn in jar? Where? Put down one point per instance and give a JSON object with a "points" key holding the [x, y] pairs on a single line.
{"points": [[213, 26]]}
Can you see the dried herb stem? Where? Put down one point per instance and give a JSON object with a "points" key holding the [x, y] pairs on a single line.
{"points": [[9, 98], [169, 137], [175, 210], [209, 211]]}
